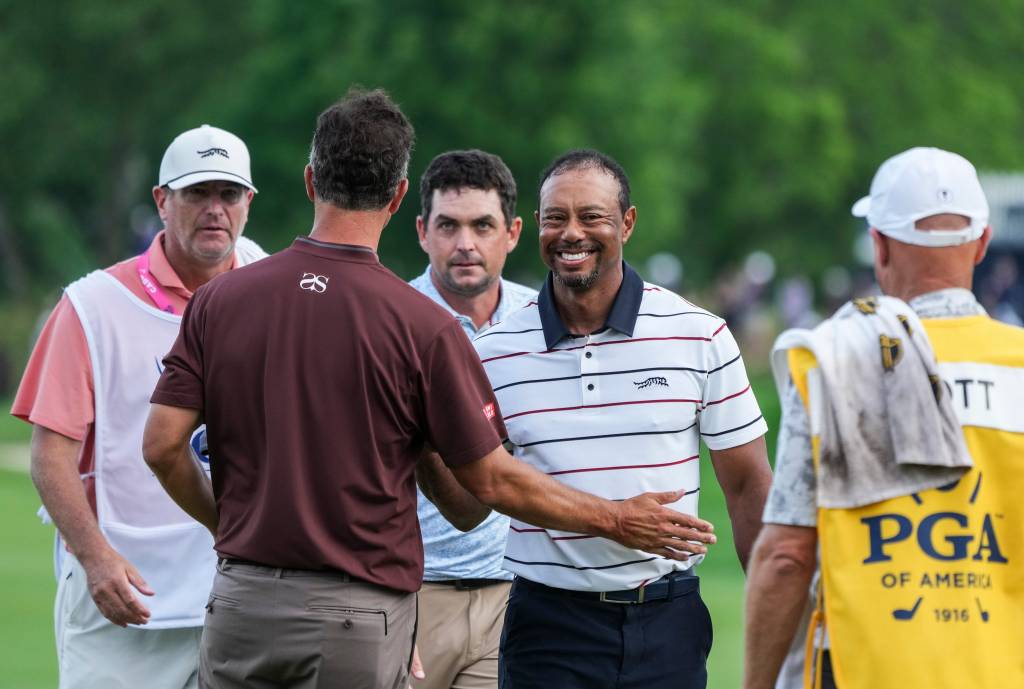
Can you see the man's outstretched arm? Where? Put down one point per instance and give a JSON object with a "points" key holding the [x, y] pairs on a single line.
{"points": [[778, 580], [642, 522], [455, 503], [165, 446]]}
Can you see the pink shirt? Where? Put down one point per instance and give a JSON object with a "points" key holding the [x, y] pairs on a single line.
{"points": [[56, 390]]}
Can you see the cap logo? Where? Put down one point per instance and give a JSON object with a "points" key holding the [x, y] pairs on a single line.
{"points": [[213, 152], [489, 410], [945, 195]]}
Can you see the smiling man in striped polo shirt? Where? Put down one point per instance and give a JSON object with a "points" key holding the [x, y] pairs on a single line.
{"points": [[608, 384]]}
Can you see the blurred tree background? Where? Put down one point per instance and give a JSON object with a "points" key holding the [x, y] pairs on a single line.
{"points": [[745, 126], [748, 128]]}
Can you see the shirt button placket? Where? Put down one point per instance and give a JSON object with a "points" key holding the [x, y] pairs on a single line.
{"points": [[588, 383]]}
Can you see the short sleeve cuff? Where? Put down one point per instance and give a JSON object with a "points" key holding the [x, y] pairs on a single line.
{"points": [[736, 436], [478, 451], [171, 399], [790, 517]]}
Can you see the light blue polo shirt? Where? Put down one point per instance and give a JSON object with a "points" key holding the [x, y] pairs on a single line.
{"points": [[449, 553]]}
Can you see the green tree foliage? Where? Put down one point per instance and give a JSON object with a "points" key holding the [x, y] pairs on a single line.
{"points": [[744, 125]]}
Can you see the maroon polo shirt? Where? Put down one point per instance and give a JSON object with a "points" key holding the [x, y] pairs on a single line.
{"points": [[321, 375]]}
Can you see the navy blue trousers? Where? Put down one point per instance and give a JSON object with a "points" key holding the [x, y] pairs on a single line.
{"points": [[554, 641]]}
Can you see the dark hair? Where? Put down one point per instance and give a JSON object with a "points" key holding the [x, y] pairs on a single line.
{"points": [[584, 159], [361, 150], [469, 169]]}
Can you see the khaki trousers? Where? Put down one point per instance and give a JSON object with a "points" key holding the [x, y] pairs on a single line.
{"points": [[459, 635], [269, 628]]}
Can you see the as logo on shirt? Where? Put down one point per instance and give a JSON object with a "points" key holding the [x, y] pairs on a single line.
{"points": [[312, 282], [489, 410]]}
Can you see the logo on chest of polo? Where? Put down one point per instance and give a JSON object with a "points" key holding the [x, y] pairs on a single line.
{"points": [[652, 381]]}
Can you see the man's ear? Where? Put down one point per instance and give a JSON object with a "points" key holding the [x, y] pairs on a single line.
{"points": [[160, 196], [881, 244], [628, 224], [514, 230], [421, 232], [983, 242], [308, 175], [396, 200]]}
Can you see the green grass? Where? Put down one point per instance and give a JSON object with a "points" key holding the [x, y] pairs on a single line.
{"points": [[27, 653], [12, 430], [26, 575]]}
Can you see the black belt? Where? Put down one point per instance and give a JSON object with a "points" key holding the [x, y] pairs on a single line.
{"points": [[669, 586], [469, 584]]}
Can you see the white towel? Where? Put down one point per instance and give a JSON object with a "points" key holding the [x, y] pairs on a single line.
{"points": [[884, 418]]}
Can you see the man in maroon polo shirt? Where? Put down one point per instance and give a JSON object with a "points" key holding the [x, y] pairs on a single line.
{"points": [[326, 378]]}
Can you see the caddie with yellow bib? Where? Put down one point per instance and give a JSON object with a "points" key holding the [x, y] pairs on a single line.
{"points": [[892, 547]]}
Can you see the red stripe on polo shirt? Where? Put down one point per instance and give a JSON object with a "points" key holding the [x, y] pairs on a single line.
{"points": [[553, 538], [720, 329], [624, 466], [726, 399], [595, 406]]}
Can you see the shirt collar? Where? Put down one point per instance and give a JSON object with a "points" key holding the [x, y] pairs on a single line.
{"points": [[953, 302], [621, 316], [425, 283], [331, 250], [161, 268]]}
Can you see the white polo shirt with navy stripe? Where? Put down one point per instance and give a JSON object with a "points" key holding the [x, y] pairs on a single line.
{"points": [[615, 413]]}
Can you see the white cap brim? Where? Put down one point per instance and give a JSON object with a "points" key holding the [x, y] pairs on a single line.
{"points": [[207, 176], [862, 207]]}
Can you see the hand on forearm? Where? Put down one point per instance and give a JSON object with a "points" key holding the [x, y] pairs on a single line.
{"points": [[455, 503]]}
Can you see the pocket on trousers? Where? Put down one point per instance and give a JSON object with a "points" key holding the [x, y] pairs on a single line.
{"points": [[354, 646], [218, 602], [361, 621]]}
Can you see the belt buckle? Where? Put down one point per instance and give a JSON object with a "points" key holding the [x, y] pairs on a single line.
{"points": [[603, 597]]}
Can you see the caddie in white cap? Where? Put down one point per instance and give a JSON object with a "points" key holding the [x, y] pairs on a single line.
{"points": [[899, 467], [921, 183], [134, 570], [203, 154]]}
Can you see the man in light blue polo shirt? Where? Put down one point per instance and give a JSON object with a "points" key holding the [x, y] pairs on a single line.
{"points": [[467, 228]]}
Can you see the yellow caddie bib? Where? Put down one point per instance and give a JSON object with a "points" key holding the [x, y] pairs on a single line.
{"points": [[926, 591]]}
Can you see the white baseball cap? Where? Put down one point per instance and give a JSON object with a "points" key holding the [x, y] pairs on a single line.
{"points": [[203, 154], [920, 183]]}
